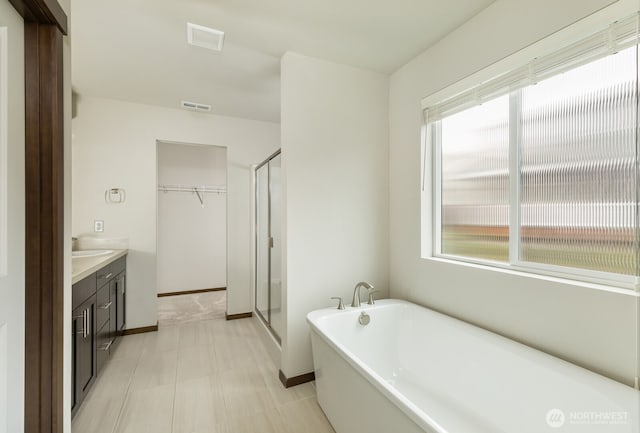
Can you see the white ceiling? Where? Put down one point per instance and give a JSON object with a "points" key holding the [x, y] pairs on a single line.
{"points": [[136, 50]]}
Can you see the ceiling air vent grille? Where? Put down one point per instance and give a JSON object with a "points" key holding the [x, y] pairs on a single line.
{"points": [[195, 106], [205, 37]]}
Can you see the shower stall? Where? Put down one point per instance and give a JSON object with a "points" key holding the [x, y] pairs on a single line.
{"points": [[268, 260]]}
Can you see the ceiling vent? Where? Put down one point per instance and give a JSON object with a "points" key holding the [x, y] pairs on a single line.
{"points": [[195, 106], [205, 37]]}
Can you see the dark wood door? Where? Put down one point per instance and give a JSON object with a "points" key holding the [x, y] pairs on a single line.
{"points": [[45, 23]]}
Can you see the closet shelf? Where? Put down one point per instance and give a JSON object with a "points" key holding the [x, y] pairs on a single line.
{"points": [[197, 189], [193, 188]]}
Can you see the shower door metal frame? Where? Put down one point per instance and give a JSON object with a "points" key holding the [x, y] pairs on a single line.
{"points": [[266, 321]]}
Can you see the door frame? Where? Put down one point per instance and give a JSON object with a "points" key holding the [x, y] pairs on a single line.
{"points": [[45, 23]]}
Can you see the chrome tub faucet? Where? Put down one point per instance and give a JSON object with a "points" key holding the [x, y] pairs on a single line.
{"points": [[356, 292]]}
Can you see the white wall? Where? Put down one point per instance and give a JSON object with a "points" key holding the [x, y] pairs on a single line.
{"points": [[192, 238], [594, 328], [335, 191], [114, 144], [12, 285]]}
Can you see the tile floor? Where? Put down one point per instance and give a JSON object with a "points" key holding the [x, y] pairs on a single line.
{"points": [[197, 376], [173, 310]]}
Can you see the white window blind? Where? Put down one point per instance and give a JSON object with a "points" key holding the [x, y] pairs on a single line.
{"points": [[616, 37]]}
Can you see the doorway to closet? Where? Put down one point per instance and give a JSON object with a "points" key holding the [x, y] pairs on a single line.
{"points": [[268, 272], [192, 232]]}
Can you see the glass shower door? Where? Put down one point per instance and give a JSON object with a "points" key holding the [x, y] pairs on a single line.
{"points": [[262, 241], [268, 272]]}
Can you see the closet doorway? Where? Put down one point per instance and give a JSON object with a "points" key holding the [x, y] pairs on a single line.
{"points": [[192, 231], [268, 278]]}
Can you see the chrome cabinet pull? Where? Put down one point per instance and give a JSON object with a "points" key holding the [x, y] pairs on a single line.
{"points": [[106, 306], [88, 327], [106, 277], [106, 346], [86, 323]]}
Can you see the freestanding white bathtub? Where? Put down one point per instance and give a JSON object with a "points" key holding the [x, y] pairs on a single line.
{"points": [[414, 370]]}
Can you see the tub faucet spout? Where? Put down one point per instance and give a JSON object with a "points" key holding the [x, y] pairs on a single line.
{"points": [[356, 292]]}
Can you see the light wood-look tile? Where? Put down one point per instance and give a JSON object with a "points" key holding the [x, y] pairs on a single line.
{"points": [[264, 422], [155, 369], [197, 376], [304, 415], [195, 362], [199, 406], [193, 334], [129, 347], [165, 340], [98, 414], [245, 393], [232, 352], [148, 410]]}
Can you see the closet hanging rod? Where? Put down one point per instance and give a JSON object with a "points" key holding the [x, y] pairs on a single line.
{"points": [[193, 188]]}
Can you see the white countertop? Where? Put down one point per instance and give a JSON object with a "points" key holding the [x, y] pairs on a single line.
{"points": [[82, 267]]}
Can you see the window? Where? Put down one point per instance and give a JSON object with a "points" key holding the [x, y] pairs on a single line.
{"points": [[475, 181], [537, 169]]}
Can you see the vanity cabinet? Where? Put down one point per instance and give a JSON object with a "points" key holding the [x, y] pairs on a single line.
{"points": [[98, 319]]}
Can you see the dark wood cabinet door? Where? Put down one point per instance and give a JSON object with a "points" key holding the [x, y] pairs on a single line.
{"points": [[84, 351], [113, 312], [76, 334], [121, 294], [104, 338]]}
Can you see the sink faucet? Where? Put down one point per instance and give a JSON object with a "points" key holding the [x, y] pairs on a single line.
{"points": [[356, 292]]}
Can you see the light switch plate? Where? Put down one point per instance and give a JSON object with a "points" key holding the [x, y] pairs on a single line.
{"points": [[98, 226]]}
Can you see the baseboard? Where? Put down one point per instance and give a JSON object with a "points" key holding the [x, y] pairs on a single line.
{"points": [[239, 316], [296, 380], [141, 330], [191, 292]]}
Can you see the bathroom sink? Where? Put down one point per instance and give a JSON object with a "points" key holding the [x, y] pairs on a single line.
{"points": [[90, 253]]}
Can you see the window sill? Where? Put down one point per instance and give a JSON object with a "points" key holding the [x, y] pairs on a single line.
{"points": [[624, 288]]}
